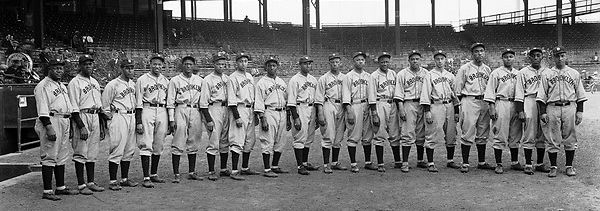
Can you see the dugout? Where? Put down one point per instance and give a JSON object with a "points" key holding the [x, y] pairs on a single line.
{"points": [[8, 117]]}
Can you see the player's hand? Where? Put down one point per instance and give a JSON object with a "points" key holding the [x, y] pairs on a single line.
{"points": [[321, 121], [428, 117], [238, 122], [401, 114], [83, 133], [263, 124], [375, 120], [456, 117], [544, 118], [102, 133], [210, 126], [297, 124], [50, 133], [522, 116], [255, 120], [578, 118], [493, 114], [139, 129], [172, 127], [350, 117], [288, 123]]}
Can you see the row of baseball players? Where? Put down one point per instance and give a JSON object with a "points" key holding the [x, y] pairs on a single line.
{"points": [[370, 108]]}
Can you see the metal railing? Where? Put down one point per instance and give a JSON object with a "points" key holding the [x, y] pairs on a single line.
{"points": [[20, 120]]}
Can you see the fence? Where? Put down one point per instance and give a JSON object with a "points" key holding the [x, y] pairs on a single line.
{"points": [[23, 103]]}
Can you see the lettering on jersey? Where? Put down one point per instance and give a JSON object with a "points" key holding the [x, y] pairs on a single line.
{"points": [[360, 81], [308, 84], [89, 88], [59, 91], [385, 84], [532, 80], [220, 85], [275, 87], [441, 80], [333, 83], [477, 75], [564, 78], [245, 82], [125, 92], [413, 80], [507, 77], [188, 87], [155, 87]]}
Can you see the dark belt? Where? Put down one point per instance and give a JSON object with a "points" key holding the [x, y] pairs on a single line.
{"points": [[308, 104], [189, 106], [506, 98], [413, 100], [386, 100], [157, 105], [61, 115], [124, 112], [90, 110], [333, 101], [358, 102], [477, 97], [276, 108], [222, 103], [246, 105], [441, 101], [559, 103]]}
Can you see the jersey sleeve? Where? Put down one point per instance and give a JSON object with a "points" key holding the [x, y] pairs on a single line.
{"points": [[292, 92], [107, 97], [42, 101], [490, 88], [259, 97], [74, 94], [171, 99], [139, 93], [425, 98], [346, 90], [579, 90], [399, 91], [542, 95], [204, 94], [519, 87], [320, 91], [371, 90], [459, 81], [232, 89]]}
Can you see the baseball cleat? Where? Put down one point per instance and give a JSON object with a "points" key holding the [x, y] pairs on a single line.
{"points": [[422, 164], [212, 176], [371, 166], [528, 169], [236, 176], [270, 174], [517, 167], [94, 187], [405, 168], [310, 167], [129, 183], [66, 191], [176, 179], [327, 170], [499, 169], [542, 168], [114, 186], [485, 166], [553, 171], [147, 184], [85, 191], [225, 173], [339, 166], [464, 168], [50, 196], [302, 170], [452, 165], [397, 165], [570, 171], [279, 171], [195, 176], [432, 168], [249, 172], [157, 179], [381, 168], [354, 169]]}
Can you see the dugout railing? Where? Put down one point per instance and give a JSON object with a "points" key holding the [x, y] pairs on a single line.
{"points": [[22, 99]]}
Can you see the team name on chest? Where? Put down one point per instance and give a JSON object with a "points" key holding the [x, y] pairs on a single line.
{"points": [[359, 82], [413, 80], [275, 87], [333, 83], [245, 82], [59, 91], [507, 77], [386, 83], [155, 87], [441, 80], [125, 92], [188, 87], [89, 88], [561, 78], [307, 85], [220, 85], [532, 80], [478, 75]]}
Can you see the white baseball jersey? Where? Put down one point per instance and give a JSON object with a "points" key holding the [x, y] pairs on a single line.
{"points": [[409, 84], [330, 87], [437, 86], [270, 93], [84, 93], [471, 79], [183, 90], [561, 85], [214, 89], [150, 89], [119, 95], [501, 84], [52, 97], [240, 89], [527, 84], [384, 84], [301, 89]]}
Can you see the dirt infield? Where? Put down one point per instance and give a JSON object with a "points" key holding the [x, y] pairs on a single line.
{"points": [[368, 190]]}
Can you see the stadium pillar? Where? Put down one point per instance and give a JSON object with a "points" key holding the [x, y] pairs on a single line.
{"points": [[526, 12], [260, 13], [479, 18], [559, 21], [157, 25], [397, 26], [432, 13], [136, 8], [182, 9], [264, 10], [225, 10], [230, 10], [573, 12], [306, 26], [387, 13], [38, 23], [318, 17]]}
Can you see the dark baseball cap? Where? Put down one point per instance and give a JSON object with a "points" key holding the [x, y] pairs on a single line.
{"points": [[241, 55], [127, 62], [558, 50], [157, 56], [271, 59], [534, 50], [477, 44], [188, 58], [359, 53], [56, 61], [304, 59], [218, 57], [384, 54], [334, 56], [439, 52], [413, 52], [507, 50], [84, 58]]}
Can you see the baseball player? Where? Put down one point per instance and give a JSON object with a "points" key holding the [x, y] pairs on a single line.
{"points": [[332, 97], [470, 82], [240, 98], [84, 94], [526, 89], [270, 107], [300, 102], [409, 84], [506, 127], [362, 95], [439, 105], [213, 104], [183, 95], [118, 103], [384, 84], [52, 127], [152, 118], [560, 97]]}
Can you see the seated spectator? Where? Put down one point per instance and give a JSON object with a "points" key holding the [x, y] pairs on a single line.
{"points": [[19, 73], [246, 19], [7, 42], [595, 58], [14, 48]]}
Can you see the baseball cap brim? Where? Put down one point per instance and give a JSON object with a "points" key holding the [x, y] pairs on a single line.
{"points": [[242, 56], [475, 45], [384, 55], [188, 58], [303, 60], [271, 60], [157, 57], [414, 53], [359, 54], [508, 51], [534, 50], [439, 53], [218, 57], [334, 57]]}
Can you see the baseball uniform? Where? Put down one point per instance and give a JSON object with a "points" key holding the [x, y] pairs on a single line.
{"points": [[471, 81], [500, 90], [270, 99], [384, 85], [213, 96], [151, 94], [409, 85], [331, 93], [240, 93], [526, 90], [301, 96]]}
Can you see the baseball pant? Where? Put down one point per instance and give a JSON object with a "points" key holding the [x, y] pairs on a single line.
{"points": [[533, 137], [389, 125], [86, 150], [54, 153], [357, 133], [334, 125], [242, 138], [121, 134], [475, 121], [560, 129], [306, 135], [272, 140], [443, 126], [413, 129], [218, 139], [506, 129], [156, 125], [188, 132]]}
